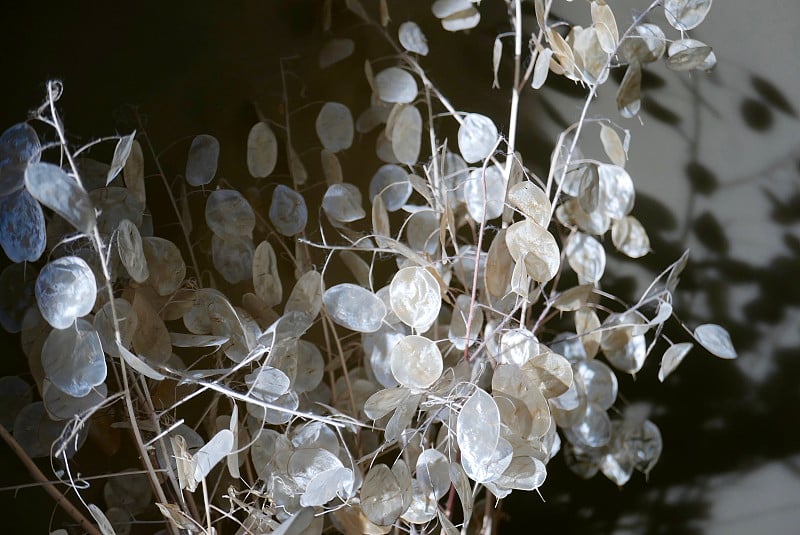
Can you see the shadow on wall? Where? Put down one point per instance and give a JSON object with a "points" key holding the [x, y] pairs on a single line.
{"points": [[716, 420]]}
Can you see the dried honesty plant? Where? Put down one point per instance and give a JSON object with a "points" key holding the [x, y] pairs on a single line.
{"points": [[267, 392]]}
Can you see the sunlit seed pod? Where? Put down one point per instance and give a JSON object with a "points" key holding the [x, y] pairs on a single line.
{"points": [[589, 189], [462, 20], [65, 290], [485, 193], [415, 297], [391, 183], [672, 358], [423, 507], [129, 245], [433, 471], [477, 137], [267, 383], [262, 150], [630, 357], [594, 429], [266, 278], [606, 26], [528, 238], [630, 237], [688, 54], [612, 145], [478, 435], [617, 462], [569, 408], [51, 186], [587, 326], [586, 257], [570, 213], [201, 163], [551, 372], [517, 346], [334, 51], [416, 362], [229, 215], [232, 257], [541, 68], [287, 211], [73, 359], [165, 263], [716, 340], [127, 324], [354, 307], [600, 381], [342, 203], [684, 15], [22, 227], [412, 38], [590, 58], [616, 191], [644, 44], [396, 85], [19, 147], [445, 8], [282, 413], [532, 201], [377, 352], [334, 126]]}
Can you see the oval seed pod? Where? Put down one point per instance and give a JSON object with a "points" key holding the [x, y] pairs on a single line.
{"points": [[416, 362], [396, 85], [201, 164], [19, 147], [412, 38], [266, 278], [684, 15], [51, 186], [232, 257], [485, 193], [630, 237], [532, 244], [354, 307], [334, 126], [406, 135], [262, 150], [342, 203], [73, 359], [65, 290], [22, 227], [415, 298], [587, 257], [229, 215], [532, 201], [288, 212], [165, 263], [131, 252], [477, 137], [391, 182]]}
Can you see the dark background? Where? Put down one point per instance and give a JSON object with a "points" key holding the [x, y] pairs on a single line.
{"points": [[730, 462]]}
